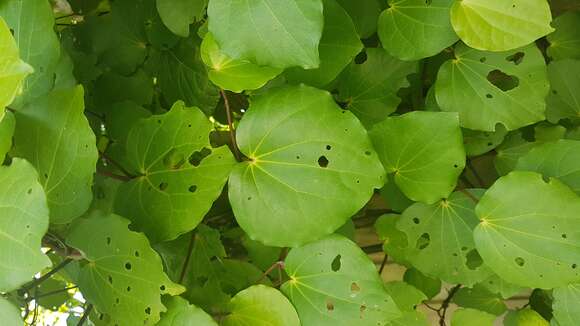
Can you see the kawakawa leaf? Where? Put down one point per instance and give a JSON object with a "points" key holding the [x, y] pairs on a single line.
{"points": [[23, 222], [425, 152], [480, 298], [7, 125], [260, 305], [527, 233], [123, 276], [472, 317], [364, 14], [12, 69], [172, 190], [279, 34], [333, 282], [488, 88], [407, 298], [370, 89], [177, 15], [416, 29], [565, 41], [440, 241], [181, 313], [53, 133], [311, 166], [235, 75], [558, 159], [10, 314], [500, 25], [566, 309], [563, 101], [339, 45]]}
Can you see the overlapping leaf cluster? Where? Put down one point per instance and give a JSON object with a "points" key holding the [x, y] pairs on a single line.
{"points": [[205, 162]]}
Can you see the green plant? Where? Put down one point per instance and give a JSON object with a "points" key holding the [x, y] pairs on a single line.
{"points": [[209, 162]]}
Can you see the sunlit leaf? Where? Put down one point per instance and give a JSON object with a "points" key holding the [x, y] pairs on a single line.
{"points": [[471, 317], [565, 41], [566, 309], [181, 313], [7, 125]]}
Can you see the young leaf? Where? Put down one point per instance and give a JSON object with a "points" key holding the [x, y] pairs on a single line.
{"points": [[556, 160], [279, 34], [488, 88], [23, 222], [333, 282], [563, 101], [10, 314], [565, 41], [499, 25], [53, 134], [12, 69], [416, 29], [339, 45], [526, 234], [425, 152], [7, 125], [235, 75], [181, 313], [171, 191], [364, 14], [260, 305], [566, 309], [311, 167], [370, 89], [178, 15], [124, 277], [471, 317]]}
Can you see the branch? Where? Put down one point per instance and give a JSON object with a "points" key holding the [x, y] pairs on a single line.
{"points": [[46, 276], [383, 264], [47, 294], [114, 163], [187, 258], [114, 176], [86, 314], [372, 249], [445, 304], [231, 126], [277, 265]]}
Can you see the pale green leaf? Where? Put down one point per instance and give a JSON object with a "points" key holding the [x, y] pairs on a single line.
{"points": [[10, 314], [527, 233], [7, 125], [181, 313], [50, 294], [425, 152], [338, 47], [279, 34], [178, 15], [563, 100], [416, 29], [480, 298], [409, 318], [508, 153], [364, 14], [488, 88], [333, 282], [395, 199], [566, 308], [406, 296], [23, 223], [394, 240], [565, 41], [261, 255], [471, 317], [499, 25], [311, 167], [560, 159], [54, 135], [480, 142], [496, 284], [235, 75], [370, 89], [429, 286], [123, 276], [12, 69], [525, 317], [171, 193], [260, 305], [440, 241]]}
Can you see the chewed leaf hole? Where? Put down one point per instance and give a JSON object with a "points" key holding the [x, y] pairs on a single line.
{"points": [[196, 158], [108, 240], [361, 58], [162, 288], [128, 266], [192, 188], [323, 161], [173, 160], [502, 80], [336, 264], [328, 147], [110, 279], [520, 261], [148, 310], [564, 236], [516, 58], [163, 186], [474, 260], [416, 220], [329, 305], [488, 95], [423, 241], [354, 287]]}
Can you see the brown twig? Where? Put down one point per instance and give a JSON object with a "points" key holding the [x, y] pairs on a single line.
{"points": [[276, 265], [114, 163], [44, 277], [187, 258], [231, 125], [114, 176], [443, 310], [383, 264], [86, 314]]}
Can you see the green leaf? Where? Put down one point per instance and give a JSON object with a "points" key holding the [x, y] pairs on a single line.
{"points": [[10, 314], [480, 298], [425, 152], [261, 255], [338, 47], [556, 160], [395, 241], [563, 100], [181, 313], [234, 74], [260, 305], [480, 142], [497, 285], [23, 222], [565, 41], [498, 25], [524, 317], [123, 276], [405, 296], [508, 153], [293, 136], [178, 15], [370, 89], [488, 88], [32, 22], [279, 34], [333, 282], [171, 192], [526, 234], [566, 309], [440, 241], [364, 14], [416, 29], [471, 317], [112, 88], [7, 125], [12, 69], [53, 133], [395, 199], [50, 300], [429, 286], [409, 318]]}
